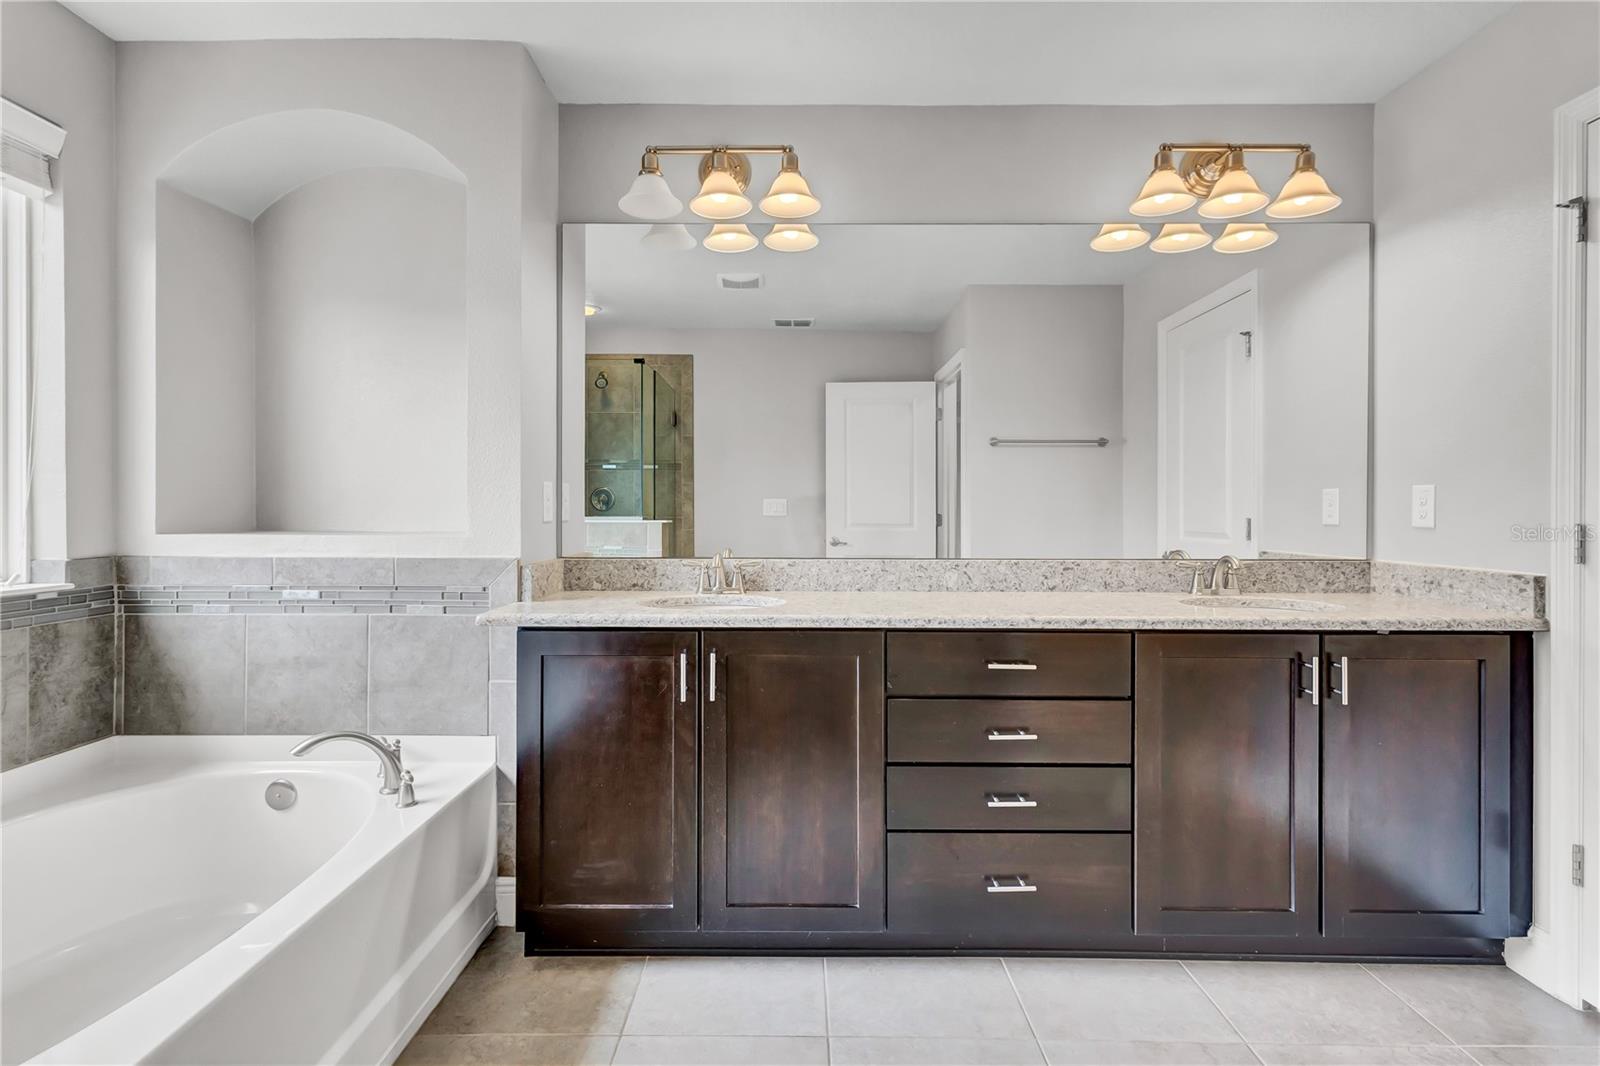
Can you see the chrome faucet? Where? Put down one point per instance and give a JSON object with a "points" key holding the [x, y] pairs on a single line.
{"points": [[1195, 567], [721, 573], [397, 780], [1224, 577]]}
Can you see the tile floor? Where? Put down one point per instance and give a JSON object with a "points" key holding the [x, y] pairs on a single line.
{"points": [[506, 1009]]}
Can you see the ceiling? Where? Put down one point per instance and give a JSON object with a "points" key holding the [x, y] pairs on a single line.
{"points": [[914, 53], [905, 278]]}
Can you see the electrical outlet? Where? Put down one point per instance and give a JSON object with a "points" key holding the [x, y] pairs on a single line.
{"points": [[549, 501], [1422, 512], [1330, 507], [775, 508]]}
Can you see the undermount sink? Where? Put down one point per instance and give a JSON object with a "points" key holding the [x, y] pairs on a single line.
{"points": [[713, 602], [1262, 603]]}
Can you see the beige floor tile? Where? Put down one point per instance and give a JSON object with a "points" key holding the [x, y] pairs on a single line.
{"points": [[911, 1051], [506, 1049], [502, 992], [1536, 1056], [923, 997], [1145, 1053], [722, 1051], [1489, 1005], [729, 997], [1114, 999], [1311, 1003], [1357, 1055]]}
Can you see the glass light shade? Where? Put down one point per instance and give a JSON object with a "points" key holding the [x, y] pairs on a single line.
{"points": [[1244, 237], [1120, 237], [1164, 192], [730, 237], [650, 197], [1235, 193], [720, 197], [668, 237], [790, 196], [791, 237], [1305, 193], [1180, 237]]}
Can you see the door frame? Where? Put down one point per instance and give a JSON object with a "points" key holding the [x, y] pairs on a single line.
{"points": [[1562, 951], [955, 367], [1247, 286]]}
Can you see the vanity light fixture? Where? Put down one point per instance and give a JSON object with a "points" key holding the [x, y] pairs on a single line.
{"points": [[1120, 237], [1244, 237], [730, 237], [725, 174], [669, 237], [590, 310], [1180, 237], [790, 237], [1214, 175], [650, 196]]}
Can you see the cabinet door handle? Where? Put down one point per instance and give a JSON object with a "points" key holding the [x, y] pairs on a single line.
{"points": [[713, 696], [1342, 689], [1012, 733], [1008, 883], [683, 677], [1009, 799], [1010, 664], [1315, 691]]}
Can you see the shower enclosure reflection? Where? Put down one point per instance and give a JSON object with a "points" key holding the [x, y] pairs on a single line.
{"points": [[638, 454]]}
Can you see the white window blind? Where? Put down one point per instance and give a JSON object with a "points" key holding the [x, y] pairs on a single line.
{"points": [[29, 147], [19, 222]]}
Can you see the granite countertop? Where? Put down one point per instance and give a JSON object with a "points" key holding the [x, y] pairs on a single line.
{"points": [[1011, 610]]}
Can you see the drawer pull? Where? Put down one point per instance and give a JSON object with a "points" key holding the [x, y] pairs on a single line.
{"points": [[1010, 799], [1008, 883], [1013, 733], [1010, 664]]}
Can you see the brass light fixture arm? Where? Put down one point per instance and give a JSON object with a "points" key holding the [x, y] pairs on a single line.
{"points": [[1220, 146], [706, 149]]}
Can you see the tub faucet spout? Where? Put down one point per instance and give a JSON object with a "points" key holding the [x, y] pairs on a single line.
{"points": [[396, 780]]}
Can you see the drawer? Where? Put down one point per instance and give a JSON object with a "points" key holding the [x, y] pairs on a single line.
{"points": [[1011, 731], [1030, 887], [1011, 797], [1007, 663]]}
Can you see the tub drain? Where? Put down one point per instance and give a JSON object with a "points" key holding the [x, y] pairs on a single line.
{"points": [[281, 795]]}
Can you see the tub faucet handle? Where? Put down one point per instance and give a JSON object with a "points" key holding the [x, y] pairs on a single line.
{"points": [[407, 796]]}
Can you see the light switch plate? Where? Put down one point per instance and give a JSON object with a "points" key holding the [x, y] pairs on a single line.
{"points": [[1422, 511], [775, 508], [549, 501], [1330, 507]]}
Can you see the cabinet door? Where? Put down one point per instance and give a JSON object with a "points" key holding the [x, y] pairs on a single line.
{"points": [[1417, 833], [1225, 784], [793, 820], [606, 782]]}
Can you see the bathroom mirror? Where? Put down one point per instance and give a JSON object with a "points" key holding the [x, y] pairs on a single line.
{"points": [[963, 391], [311, 330]]}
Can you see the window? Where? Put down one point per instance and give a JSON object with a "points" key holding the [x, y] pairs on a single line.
{"points": [[18, 225]]}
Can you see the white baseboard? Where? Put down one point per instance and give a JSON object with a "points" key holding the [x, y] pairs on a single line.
{"points": [[505, 900]]}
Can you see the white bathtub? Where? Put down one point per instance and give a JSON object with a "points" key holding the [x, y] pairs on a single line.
{"points": [[153, 908]]}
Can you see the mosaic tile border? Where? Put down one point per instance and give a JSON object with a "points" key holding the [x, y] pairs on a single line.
{"points": [[61, 605]]}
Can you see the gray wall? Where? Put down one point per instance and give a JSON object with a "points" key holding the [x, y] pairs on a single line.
{"points": [[759, 422], [957, 164], [54, 63], [1463, 276], [1041, 361]]}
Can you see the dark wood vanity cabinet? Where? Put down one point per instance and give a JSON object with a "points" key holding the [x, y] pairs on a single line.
{"points": [[1421, 824], [792, 818], [1225, 756], [607, 741], [819, 790]]}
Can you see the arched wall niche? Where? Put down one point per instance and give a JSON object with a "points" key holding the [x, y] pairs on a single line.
{"points": [[311, 330]]}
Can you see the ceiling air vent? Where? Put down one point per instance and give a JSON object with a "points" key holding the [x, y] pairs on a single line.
{"points": [[739, 281], [793, 323]]}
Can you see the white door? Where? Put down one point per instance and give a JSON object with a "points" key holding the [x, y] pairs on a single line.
{"points": [[1208, 424], [1589, 958], [949, 466], [880, 470]]}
